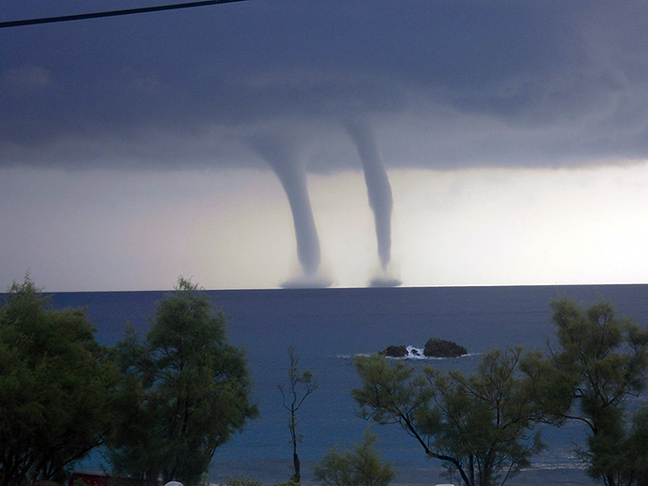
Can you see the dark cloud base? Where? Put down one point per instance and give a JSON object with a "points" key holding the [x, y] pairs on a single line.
{"points": [[444, 84]]}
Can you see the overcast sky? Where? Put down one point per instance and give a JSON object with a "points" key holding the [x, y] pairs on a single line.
{"points": [[500, 142]]}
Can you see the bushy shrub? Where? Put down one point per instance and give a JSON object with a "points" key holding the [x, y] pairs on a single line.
{"points": [[359, 466]]}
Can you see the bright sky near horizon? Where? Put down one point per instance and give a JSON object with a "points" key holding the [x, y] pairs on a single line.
{"points": [[240, 145]]}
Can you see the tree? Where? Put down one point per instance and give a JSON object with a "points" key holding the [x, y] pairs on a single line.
{"points": [[185, 391], [481, 425], [360, 466], [635, 448], [55, 386], [603, 360], [300, 385]]}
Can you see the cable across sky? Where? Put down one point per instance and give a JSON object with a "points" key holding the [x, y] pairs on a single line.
{"points": [[112, 13]]}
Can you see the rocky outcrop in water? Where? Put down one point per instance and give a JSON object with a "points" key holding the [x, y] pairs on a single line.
{"points": [[402, 352], [439, 348], [434, 348], [395, 351]]}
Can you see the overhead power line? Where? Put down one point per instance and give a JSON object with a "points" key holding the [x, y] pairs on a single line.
{"points": [[113, 13]]}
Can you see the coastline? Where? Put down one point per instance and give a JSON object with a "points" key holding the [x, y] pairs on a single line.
{"points": [[269, 472]]}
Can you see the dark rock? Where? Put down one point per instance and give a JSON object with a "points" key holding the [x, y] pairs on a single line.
{"points": [[438, 348], [395, 351]]}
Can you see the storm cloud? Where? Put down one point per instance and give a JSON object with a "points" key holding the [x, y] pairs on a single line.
{"points": [[444, 84], [104, 123]]}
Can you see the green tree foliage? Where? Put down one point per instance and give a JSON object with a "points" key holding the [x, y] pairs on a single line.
{"points": [[601, 360], [479, 425], [360, 466], [55, 387], [242, 481], [300, 385], [185, 391], [637, 450]]}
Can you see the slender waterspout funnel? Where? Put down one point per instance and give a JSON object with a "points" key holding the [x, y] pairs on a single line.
{"points": [[283, 159], [378, 187]]}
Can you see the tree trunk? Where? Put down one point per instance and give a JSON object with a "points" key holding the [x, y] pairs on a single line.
{"points": [[297, 476]]}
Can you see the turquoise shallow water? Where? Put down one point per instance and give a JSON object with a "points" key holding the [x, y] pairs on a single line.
{"points": [[330, 326]]}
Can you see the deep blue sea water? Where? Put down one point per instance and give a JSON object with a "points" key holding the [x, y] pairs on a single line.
{"points": [[330, 326]]}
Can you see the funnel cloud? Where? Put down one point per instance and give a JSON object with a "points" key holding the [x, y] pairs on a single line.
{"points": [[378, 191], [282, 156], [286, 164]]}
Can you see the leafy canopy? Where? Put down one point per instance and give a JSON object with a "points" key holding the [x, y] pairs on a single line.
{"points": [[479, 425], [359, 466], [602, 361], [56, 384], [185, 391]]}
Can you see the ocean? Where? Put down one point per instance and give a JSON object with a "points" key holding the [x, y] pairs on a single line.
{"points": [[328, 327]]}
